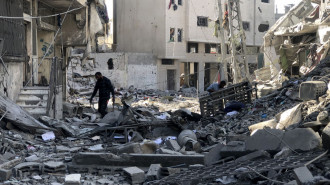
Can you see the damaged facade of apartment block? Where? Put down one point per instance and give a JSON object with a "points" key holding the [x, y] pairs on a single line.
{"points": [[296, 43], [184, 37], [35, 35]]}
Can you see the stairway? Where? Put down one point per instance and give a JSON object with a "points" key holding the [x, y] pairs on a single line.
{"points": [[34, 100]]}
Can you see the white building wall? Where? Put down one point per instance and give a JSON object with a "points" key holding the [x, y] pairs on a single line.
{"points": [[140, 26], [256, 12], [205, 8]]}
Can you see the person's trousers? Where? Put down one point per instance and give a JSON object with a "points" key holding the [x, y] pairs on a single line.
{"points": [[103, 105]]}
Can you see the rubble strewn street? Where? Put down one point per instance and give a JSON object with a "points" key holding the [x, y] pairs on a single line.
{"points": [[168, 120]]}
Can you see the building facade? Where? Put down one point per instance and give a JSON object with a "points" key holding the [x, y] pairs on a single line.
{"points": [[183, 36]]}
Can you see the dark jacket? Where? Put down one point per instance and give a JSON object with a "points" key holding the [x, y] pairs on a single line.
{"points": [[104, 87]]}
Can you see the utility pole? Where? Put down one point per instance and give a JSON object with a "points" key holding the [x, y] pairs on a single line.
{"points": [[222, 41], [239, 64]]}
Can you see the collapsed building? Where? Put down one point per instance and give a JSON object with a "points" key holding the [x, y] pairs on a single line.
{"points": [[280, 135]]}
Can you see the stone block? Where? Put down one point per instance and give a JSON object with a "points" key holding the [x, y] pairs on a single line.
{"points": [[303, 175], [135, 174], [173, 145], [154, 172], [72, 179], [270, 123]]}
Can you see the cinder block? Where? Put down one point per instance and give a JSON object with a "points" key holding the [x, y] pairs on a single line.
{"points": [[5, 174], [136, 174], [303, 175], [154, 172]]}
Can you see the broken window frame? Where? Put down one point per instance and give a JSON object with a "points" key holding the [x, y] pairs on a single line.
{"points": [[202, 21], [180, 32], [172, 34], [262, 31], [212, 48], [246, 25], [167, 61]]}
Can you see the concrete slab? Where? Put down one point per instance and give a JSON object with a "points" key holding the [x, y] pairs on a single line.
{"points": [[302, 139], [303, 175], [154, 172], [268, 140]]}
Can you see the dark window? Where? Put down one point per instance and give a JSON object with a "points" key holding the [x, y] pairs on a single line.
{"points": [[212, 48], [173, 1], [110, 64], [202, 21], [180, 31], [180, 2], [263, 27], [192, 47], [246, 26], [167, 62], [172, 30], [265, 1]]}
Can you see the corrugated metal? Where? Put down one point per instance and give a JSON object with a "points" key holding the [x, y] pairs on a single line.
{"points": [[12, 31]]}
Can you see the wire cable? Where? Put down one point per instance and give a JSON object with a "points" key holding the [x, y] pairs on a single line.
{"points": [[44, 16], [51, 45]]}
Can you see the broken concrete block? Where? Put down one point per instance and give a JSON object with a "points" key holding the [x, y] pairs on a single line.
{"points": [[72, 179], [326, 137], [135, 174], [233, 148], [169, 171], [253, 155], [154, 172], [303, 175], [303, 139], [270, 123], [311, 90], [5, 174], [173, 144], [265, 139], [213, 155]]}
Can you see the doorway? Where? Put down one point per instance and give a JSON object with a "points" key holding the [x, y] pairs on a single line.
{"points": [[170, 79]]}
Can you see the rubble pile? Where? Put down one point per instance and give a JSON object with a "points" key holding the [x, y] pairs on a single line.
{"points": [[161, 139]]}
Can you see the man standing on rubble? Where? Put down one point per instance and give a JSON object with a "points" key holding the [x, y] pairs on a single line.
{"points": [[104, 86], [216, 86]]}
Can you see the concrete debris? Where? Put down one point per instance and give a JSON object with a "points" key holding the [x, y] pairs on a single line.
{"points": [[135, 174], [269, 123]]}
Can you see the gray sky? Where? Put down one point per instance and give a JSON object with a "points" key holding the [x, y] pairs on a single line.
{"points": [[281, 3]]}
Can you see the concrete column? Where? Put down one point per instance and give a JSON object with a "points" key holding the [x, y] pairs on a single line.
{"points": [[201, 75], [34, 43]]}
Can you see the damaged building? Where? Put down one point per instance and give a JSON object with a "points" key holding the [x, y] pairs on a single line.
{"points": [[266, 126], [183, 37]]}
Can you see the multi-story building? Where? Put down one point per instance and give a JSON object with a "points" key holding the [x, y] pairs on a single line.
{"points": [[181, 34]]}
